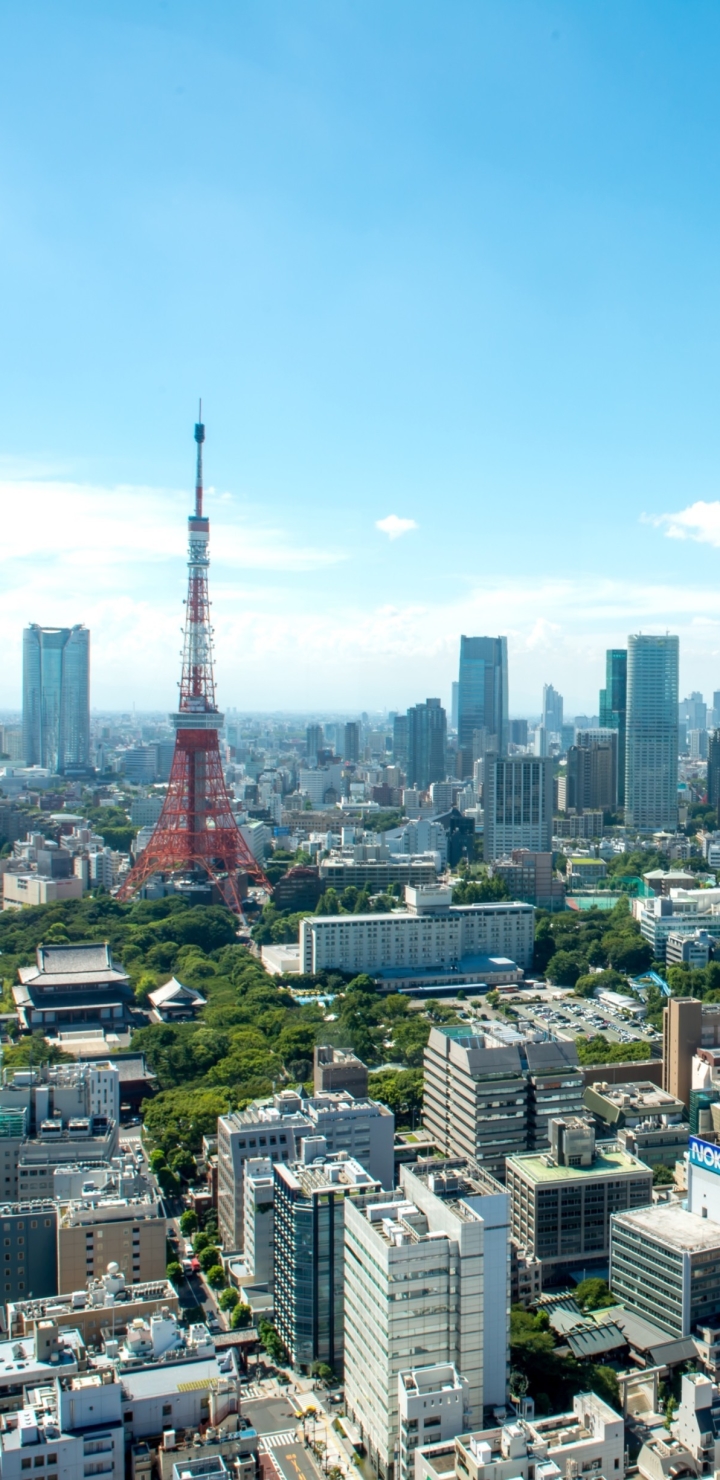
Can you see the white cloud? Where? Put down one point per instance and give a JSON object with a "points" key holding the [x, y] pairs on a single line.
{"points": [[700, 521], [393, 526]]}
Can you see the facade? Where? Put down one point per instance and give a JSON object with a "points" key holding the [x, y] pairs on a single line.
{"points": [[29, 1234], [613, 709], [489, 1095], [651, 758], [427, 744], [561, 1211], [429, 1253], [592, 771], [56, 698], [687, 1026], [588, 1441], [105, 1303], [97, 1230], [259, 1219], [351, 742], [483, 692], [432, 1407], [662, 917], [552, 710], [645, 1120], [377, 873], [67, 1427], [713, 770], [72, 984], [518, 804], [665, 1265], [531, 877], [309, 1241], [275, 1128], [338, 1069], [430, 932]]}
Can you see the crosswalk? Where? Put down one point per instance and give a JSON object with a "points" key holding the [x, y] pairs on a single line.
{"points": [[278, 1441]]}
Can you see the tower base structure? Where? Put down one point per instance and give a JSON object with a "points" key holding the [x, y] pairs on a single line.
{"points": [[197, 830]]}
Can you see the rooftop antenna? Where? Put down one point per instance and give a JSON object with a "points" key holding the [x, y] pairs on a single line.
{"points": [[199, 438]]}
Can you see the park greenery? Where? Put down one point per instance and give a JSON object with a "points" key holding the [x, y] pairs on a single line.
{"points": [[252, 1037], [552, 1377], [567, 944]]}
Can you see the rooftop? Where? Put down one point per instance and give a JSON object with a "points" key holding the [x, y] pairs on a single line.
{"points": [[608, 1163], [669, 1223]]}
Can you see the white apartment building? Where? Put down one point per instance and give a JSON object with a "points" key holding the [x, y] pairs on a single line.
{"points": [[588, 1441], [258, 1219], [430, 932], [432, 1407], [275, 1129], [72, 1425], [415, 1291]]}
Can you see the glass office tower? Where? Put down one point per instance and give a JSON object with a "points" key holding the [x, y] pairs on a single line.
{"points": [[651, 739], [483, 692], [426, 744], [613, 708], [56, 698]]}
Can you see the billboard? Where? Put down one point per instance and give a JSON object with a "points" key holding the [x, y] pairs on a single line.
{"points": [[704, 1154]]}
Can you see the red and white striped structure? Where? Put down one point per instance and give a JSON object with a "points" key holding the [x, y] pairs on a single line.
{"points": [[196, 830]]}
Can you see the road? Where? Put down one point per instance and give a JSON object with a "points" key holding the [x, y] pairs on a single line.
{"points": [[275, 1421]]}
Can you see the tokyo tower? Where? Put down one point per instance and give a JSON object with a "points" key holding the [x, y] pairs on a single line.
{"points": [[197, 830]]}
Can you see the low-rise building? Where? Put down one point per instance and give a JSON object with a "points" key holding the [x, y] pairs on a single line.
{"points": [[562, 1201], [229, 1455], [690, 950], [104, 1303], [97, 1230], [377, 874], [29, 1234], [665, 1265], [588, 1440], [645, 1120], [432, 1408], [693, 1445], [338, 1069], [41, 1357], [66, 1427], [430, 933]]}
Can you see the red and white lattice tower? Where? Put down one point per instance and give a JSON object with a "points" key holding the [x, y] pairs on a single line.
{"points": [[196, 829]]}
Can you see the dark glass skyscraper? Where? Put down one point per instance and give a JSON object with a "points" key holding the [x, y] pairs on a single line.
{"points": [[426, 744], [56, 697], [613, 708], [483, 692]]}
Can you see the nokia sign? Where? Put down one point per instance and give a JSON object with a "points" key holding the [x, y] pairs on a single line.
{"points": [[704, 1154]]}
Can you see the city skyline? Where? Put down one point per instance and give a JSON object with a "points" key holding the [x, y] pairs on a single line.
{"points": [[406, 323]]}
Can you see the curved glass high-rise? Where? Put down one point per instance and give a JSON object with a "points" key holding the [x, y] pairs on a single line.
{"points": [[56, 697]]}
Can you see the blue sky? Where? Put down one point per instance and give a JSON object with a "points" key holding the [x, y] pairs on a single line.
{"points": [[456, 264]]}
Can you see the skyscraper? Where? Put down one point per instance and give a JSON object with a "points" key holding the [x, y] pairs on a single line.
{"points": [[552, 710], [651, 743], [314, 741], [56, 697], [713, 771], [351, 741], [427, 742], [483, 691], [613, 707], [592, 771]]}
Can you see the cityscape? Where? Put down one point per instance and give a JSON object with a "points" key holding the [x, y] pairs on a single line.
{"points": [[360, 960]]}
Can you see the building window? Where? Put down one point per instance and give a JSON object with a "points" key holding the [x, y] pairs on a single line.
{"points": [[167, 1408]]}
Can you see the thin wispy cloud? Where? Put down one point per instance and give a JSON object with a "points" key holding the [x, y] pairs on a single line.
{"points": [[394, 527]]}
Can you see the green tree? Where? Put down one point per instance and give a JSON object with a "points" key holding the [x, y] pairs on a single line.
{"points": [[201, 1241], [229, 1299], [188, 1222], [241, 1316], [564, 968], [663, 1176], [174, 1272], [215, 1276], [208, 1256], [593, 1294]]}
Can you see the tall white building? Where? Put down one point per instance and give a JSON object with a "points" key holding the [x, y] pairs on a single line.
{"points": [[651, 741], [425, 1270], [431, 931]]}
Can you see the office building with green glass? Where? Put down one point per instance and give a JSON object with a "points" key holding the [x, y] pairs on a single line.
{"points": [[651, 736], [613, 709]]}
